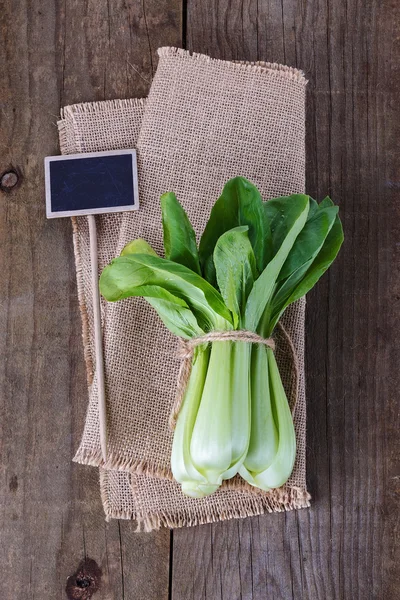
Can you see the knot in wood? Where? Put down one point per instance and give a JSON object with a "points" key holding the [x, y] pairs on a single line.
{"points": [[85, 581], [9, 180]]}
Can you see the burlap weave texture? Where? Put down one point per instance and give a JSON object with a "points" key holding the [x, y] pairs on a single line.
{"points": [[204, 122]]}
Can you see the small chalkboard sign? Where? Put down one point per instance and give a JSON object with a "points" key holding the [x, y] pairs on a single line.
{"points": [[91, 184]]}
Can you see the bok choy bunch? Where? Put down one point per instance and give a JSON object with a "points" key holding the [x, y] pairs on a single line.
{"points": [[253, 260]]}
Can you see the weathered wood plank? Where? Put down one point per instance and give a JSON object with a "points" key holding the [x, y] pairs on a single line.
{"points": [[346, 545], [51, 516]]}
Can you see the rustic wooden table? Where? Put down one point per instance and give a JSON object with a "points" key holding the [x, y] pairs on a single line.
{"points": [[346, 546]]}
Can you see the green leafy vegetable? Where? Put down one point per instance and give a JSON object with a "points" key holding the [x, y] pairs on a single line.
{"points": [[235, 267], [152, 276], [239, 204], [254, 259], [294, 219], [179, 237], [138, 246]]}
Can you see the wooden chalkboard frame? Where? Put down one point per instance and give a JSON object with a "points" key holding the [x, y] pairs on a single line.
{"points": [[51, 214]]}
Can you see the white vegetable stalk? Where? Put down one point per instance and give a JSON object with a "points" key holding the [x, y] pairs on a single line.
{"points": [[193, 482], [213, 433], [267, 474], [264, 434]]}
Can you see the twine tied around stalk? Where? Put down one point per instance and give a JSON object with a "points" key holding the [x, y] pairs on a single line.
{"points": [[185, 354]]}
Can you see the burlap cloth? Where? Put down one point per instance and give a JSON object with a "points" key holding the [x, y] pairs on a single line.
{"points": [[204, 121]]}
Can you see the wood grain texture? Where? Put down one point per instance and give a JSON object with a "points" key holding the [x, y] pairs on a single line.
{"points": [[347, 545], [52, 54]]}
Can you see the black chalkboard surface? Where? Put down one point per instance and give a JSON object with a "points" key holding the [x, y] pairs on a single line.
{"points": [[91, 183]]}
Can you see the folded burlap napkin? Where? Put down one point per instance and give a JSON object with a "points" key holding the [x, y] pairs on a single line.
{"points": [[204, 121]]}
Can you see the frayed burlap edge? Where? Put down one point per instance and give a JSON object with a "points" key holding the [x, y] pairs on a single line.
{"points": [[62, 134], [100, 106], [280, 500], [112, 513], [273, 69], [121, 463], [141, 467]]}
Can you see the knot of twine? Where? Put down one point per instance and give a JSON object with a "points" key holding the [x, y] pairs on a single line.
{"points": [[185, 354]]}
